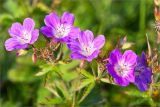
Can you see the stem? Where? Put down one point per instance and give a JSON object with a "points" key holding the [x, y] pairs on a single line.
{"points": [[60, 53], [99, 71], [74, 99], [93, 71], [32, 46], [142, 14]]}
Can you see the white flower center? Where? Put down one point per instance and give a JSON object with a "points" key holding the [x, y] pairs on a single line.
{"points": [[122, 68], [87, 50], [25, 37], [61, 31]]}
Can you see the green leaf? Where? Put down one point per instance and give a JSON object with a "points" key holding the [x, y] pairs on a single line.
{"points": [[87, 91], [47, 68], [21, 74], [68, 76], [41, 73], [105, 80], [84, 83], [69, 66], [86, 74], [14, 8], [42, 93], [43, 7], [62, 89], [5, 16], [54, 101], [53, 91], [137, 93]]}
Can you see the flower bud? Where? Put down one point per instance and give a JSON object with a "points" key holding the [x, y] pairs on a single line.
{"points": [[34, 57], [21, 52]]}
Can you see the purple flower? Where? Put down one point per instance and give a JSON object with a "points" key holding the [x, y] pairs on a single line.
{"points": [[85, 47], [142, 73], [21, 35], [121, 67], [61, 29]]}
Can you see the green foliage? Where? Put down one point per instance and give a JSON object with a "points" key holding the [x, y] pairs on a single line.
{"points": [[62, 84]]}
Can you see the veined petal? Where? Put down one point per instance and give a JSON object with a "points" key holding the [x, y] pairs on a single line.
{"points": [[149, 75], [130, 57], [28, 24], [15, 29], [93, 55], [35, 34], [73, 45], [146, 75], [143, 73], [67, 18], [99, 42], [47, 31], [141, 86], [121, 81], [76, 55], [22, 46], [74, 33], [115, 56], [111, 70], [130, 76], [86, 37], [143, 59], [52, 20], [12, 44]]}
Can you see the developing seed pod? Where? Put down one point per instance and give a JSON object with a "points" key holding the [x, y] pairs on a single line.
{"points": [[81, 64], [34, 57]]}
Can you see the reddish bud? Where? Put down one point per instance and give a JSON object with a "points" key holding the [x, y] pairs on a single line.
{"points": [[81, 64], [34, 57]]}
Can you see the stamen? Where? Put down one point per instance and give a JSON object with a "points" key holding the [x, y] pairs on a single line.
{"points": [[87, 49], [122, 68], [24, 38], [61, 31]]}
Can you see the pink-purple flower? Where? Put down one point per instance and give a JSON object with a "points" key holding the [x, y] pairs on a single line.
{"points": [[85, 47], [61, 29], [121, 67], [21, 35], [142, 73]]}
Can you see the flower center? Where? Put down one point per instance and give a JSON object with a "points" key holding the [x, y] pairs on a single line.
{"points": [[139, 69], [61, 31], [25, 38], [87, 50], [122, 68]]}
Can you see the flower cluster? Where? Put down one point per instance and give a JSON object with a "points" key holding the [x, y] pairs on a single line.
{"points": [[124, 68], [128, 68]]}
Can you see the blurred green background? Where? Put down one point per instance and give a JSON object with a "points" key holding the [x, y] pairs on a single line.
{"points": [[114, 18]]}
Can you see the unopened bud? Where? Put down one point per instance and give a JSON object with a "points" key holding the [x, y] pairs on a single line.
{"points": [[34, 57], [21, 52], [158, 37], [157, 2], [81, 64], [157, 13]]}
